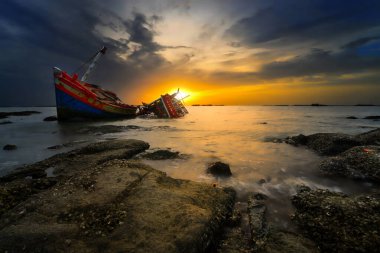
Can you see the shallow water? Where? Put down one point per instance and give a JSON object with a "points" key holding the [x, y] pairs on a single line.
{"points": [[234, 134]]}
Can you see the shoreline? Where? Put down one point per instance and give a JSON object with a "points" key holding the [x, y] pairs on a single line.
{"points": [[75, 206]]}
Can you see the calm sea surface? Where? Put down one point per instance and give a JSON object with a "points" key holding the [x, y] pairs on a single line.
{"points": [[233, 134]]}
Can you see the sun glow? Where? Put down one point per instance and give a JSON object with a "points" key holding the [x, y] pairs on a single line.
{"points": [[182, 94]]}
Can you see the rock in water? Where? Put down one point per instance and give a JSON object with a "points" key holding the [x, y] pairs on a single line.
{"points": [[161, 155], [372, 117], [334, 143], [362, 162], [337, 222], [51, 118], [351, 117], [21, 113], [10, 147], [331, 143], [219, 169]]}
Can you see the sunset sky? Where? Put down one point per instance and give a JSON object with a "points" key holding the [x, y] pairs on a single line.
{"points": [[231, 52]]}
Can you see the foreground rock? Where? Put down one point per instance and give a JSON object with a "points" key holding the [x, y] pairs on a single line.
{"points": [[337, 222], [334, 143], [102, 202], [362, 162], [262, 236], [21, 113], [219, 169], [257, 221]]}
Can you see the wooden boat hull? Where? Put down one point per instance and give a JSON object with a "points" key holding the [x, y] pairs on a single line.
{"points": [[167, 106], [80, 100]]}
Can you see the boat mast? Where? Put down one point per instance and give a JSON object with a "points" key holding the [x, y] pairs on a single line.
{"points": [[93, 63]]}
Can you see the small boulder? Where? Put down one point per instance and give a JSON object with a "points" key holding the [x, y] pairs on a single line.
{"points": [[351, 117], [10, 147], [51, 118], [219, 169], [161, 155], [262, 181]]}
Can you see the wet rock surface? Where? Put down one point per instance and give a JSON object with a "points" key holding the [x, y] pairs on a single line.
{"points": [[325, 143], [362, 162], [66, 145], [9, 147], [100, 201], [20, 113], [161, 154], [5, 122], [369, 138], [259, 235], [337, 222], [219, 169], [257, 221], [89, 156], [334, 143]]}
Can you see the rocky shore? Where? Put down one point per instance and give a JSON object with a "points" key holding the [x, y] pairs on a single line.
{"points": [[102, 198], [338, 222], [333, 143]]}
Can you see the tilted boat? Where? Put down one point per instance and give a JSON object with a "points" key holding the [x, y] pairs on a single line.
{"points": [[167, 106], [77, 99]]}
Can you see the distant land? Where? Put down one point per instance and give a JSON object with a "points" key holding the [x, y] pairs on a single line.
{"points": [[316, 104]]}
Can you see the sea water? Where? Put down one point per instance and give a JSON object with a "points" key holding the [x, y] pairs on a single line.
{"points": [[238, 135]]}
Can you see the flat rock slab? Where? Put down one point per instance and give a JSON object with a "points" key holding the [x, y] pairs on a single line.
{"points": [[337, 222], [69, 163], [108, 204], [362, 162]]}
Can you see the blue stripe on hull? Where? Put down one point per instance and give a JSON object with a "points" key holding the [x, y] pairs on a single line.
{"points": [[69, 107]]}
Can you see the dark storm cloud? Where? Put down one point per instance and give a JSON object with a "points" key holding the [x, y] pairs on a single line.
{"points": [[301, 21], [35, 36], [339, 29], [318, 62], [359, 42], [321, 62]]}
